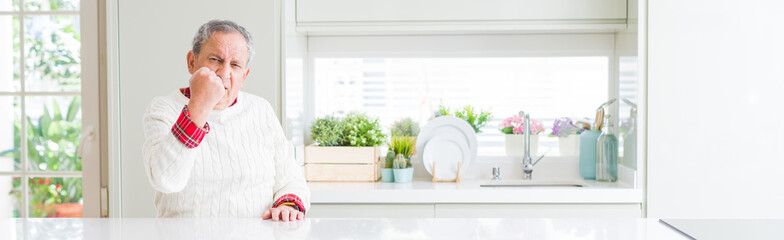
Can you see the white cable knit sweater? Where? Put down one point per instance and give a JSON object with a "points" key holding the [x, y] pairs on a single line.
{"points": [[240, 168]]}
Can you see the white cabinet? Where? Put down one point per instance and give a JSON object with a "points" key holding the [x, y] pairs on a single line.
{"points": [[371, 211], [548, 210], [476, 210], [317, 16]]}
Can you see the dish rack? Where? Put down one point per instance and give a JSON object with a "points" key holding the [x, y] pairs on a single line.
{"points": [[435, 179]]}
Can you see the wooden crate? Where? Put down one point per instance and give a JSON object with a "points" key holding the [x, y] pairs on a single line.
{"points": [[342, 164]]}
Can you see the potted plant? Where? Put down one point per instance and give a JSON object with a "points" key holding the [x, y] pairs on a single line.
{"points": [[346, 149], [568, 135], [513, 128], [406, 127], [477, 120], [387, 173], [402, 147]]}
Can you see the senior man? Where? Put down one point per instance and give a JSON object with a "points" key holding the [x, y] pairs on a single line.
{"points": [[212, 150]]}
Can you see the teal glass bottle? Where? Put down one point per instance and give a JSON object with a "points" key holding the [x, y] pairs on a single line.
{"points": [[588, 153], [607, 153]]}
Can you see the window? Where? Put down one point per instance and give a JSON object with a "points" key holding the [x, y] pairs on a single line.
{"points": [[42, 73], [392, 77]]}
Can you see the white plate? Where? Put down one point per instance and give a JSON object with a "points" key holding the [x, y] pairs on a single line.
{"points": [[444, 125], [446, 150]]}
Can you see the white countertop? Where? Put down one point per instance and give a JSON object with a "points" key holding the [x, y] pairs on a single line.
{"points": [[425, 191], [380, 228]]}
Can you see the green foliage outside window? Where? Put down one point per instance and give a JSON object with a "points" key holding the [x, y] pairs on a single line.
{"points": [[52, 45], [52, 141]]}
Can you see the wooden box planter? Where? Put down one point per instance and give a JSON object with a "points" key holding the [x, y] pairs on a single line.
{"points": [[342, 164]]}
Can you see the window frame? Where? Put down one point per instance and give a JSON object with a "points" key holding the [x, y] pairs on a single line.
{"points": [[89, 92], [431, 46]]}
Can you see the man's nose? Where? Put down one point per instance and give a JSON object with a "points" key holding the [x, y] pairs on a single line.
{"points": [[224, 74]]}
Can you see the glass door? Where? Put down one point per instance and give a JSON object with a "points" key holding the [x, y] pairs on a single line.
{"points": [[47, 132]]}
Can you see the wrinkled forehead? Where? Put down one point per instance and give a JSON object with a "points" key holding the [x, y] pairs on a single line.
{"points": [[227, 45]]}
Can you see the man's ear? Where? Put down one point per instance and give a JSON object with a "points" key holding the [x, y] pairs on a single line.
{"points": [[245, 76], [190, 60]]}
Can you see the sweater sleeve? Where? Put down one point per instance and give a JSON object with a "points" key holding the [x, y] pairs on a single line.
{"points": [[289, 177], [167, 161]]}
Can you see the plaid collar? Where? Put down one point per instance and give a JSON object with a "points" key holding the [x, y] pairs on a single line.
{"points": [[187, 92]]}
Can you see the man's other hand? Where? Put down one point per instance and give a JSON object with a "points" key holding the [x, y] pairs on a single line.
{"points": [[283, 213]]}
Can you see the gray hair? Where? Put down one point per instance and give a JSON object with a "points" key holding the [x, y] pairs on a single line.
{"points": [[225, 26]]}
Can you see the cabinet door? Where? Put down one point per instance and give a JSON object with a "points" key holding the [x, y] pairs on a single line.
{"points": [[538, 210], [371, 211], [334, 11]]}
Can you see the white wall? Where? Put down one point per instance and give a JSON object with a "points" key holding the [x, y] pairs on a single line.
{"points": [[715, 82], [154, 38]]}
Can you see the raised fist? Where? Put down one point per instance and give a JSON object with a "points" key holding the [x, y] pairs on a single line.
{"points": [[207, 89]]}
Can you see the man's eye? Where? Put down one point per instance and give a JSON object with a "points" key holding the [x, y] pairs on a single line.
{"points": [[214, 59], [236, 65]]}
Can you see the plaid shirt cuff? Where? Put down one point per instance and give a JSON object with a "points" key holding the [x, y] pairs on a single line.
{"points": [[290, 200], [187, 132]]}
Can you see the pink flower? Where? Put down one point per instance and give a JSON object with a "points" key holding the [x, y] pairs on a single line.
{"points": [[512, 121], [517, 124]]}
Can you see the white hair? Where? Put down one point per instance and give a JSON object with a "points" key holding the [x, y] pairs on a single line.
{"points": [[225, 26]]}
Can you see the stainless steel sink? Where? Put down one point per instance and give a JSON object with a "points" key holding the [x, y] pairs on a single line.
{"points": [[533, 184]]}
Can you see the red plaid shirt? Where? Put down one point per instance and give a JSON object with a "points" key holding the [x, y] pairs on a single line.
{"points": [[191, 135]]}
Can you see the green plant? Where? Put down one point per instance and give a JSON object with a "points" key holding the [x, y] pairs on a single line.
{"points": [[360, 130], [404, 127], [402, 147], [327, 131], [390, 159], [52, 144], [467, 113]]}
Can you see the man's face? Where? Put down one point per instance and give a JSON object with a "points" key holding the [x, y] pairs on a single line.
{"points": [[226, 54]]}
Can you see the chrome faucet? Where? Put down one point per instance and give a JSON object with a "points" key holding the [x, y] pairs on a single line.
{"points": [[528, 163]]}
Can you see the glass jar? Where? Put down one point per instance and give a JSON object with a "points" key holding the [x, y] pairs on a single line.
{"points": [[607, 153]]}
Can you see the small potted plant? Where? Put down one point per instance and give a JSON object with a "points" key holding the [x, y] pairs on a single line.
{"points": [[513, 128], [568, 135], [402, 147], [406, 127], [347, 149], [477, 120]]}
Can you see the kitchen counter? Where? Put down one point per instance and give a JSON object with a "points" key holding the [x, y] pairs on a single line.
{"points": [[468, 191], [312, 228], [423, 190]]}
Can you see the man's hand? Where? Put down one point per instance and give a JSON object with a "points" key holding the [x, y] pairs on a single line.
{"points": [[207, 89], [283, 213]]}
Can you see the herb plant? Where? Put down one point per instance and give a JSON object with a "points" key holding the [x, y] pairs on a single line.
{"points": [[477, 120], [327, 131], [361, 130]]}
